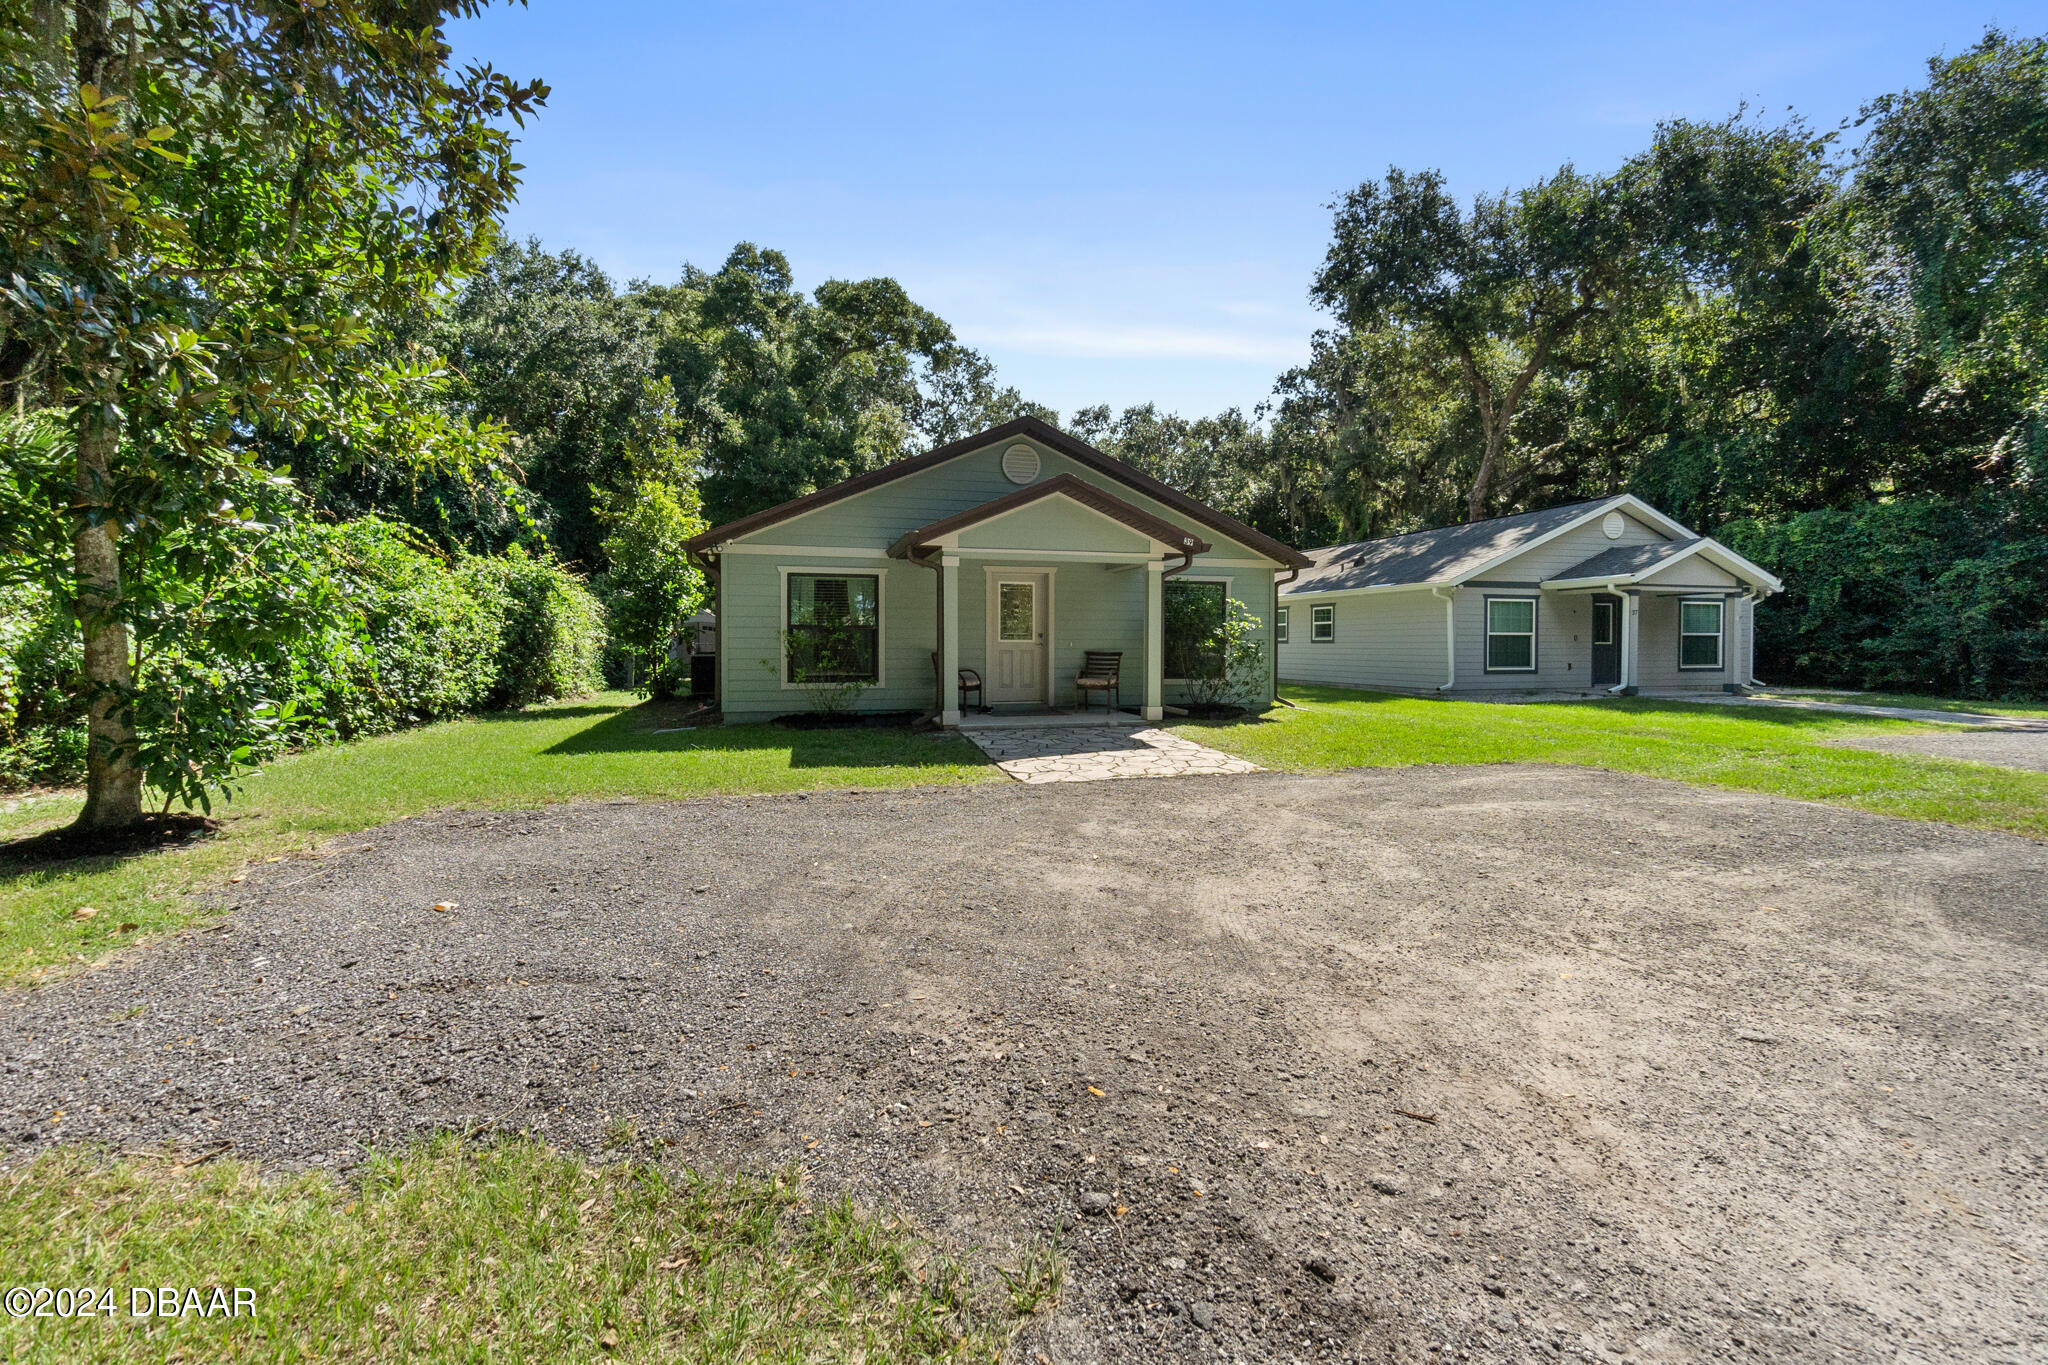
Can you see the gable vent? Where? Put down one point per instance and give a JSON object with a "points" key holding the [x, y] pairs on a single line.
{"points": [[1613, 526], [1020, 463]]}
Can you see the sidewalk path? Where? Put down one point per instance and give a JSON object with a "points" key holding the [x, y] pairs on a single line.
{"points": [[1097, 753]]}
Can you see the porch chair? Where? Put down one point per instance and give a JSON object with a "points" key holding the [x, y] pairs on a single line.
{"points": [[1100, 670], [968, 681]]}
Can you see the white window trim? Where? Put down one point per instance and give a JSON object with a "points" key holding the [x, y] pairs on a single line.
{"points": [[1224, 579], [1314, 625], [1487, 631], [1281, 623], [1720, 635], [783, 571]]}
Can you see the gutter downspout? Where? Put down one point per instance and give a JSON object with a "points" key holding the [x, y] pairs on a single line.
{"points": [[711, 568], [1187, 559], [1450, 597]]}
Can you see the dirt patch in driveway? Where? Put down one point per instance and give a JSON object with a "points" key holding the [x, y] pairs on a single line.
{"points": [[2007, 748], [1512, 1062]]}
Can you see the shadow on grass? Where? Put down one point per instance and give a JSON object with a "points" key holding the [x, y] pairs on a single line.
{"points": [[641, 730], [1788, 717]]}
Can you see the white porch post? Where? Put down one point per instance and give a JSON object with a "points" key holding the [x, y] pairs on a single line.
{"points": [[1631, 638], [949, 641], [1155, 640]]}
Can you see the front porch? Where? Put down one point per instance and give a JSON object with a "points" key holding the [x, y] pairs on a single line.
{"points": [[1046, 718], [1029, 585]]}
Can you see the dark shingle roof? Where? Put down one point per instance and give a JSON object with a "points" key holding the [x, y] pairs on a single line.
{"points": [[1430, 556], [1624, 560]]}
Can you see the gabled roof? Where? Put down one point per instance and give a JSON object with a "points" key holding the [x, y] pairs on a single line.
{"points": [[1446, 554], [1640, 563], [1036, 430], [1066, 486], [1625, 561]]}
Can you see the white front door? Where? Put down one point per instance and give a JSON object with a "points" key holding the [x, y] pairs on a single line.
{"points": [[1016, 647]]}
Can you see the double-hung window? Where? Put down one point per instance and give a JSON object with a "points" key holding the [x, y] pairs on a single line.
{"points": [[1511, 635], [833, 625], [1280, 626], [1322, 624], [1700, 621]]}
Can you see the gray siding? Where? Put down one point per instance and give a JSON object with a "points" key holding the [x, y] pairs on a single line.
{"points": [[1564, 648], [1386, 641], [1658, 661], [1575, 546]]}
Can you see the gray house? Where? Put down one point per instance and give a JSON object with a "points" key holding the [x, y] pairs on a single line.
{"points": [[1609, 596]]}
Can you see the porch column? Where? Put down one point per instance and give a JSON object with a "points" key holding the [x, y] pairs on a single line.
{"points": [[1155, 642], [949, 639], [1631, 638]]}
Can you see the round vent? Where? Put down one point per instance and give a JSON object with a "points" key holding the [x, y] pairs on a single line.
{"points": [[1020, 464], [1612, 527]]}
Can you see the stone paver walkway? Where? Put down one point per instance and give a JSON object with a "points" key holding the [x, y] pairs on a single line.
{"points": [[1097, 753]]}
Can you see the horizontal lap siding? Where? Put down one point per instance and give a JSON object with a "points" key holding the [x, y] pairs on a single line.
{"points": [[1093, 608], [1389, 641], [1564, 641], [750, 635], [1657, 665], [1574, 547], [879, 515]]}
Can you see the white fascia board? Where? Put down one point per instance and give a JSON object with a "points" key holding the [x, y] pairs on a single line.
{"points": [[1707, 546], [1622, 502], [1734, 563]]}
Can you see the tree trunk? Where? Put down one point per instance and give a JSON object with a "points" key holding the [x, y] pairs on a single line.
{"points": [[1482, 483], [113, 781]]}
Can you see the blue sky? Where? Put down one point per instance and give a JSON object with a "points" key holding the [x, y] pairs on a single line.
{"points": [[1123, 203]]}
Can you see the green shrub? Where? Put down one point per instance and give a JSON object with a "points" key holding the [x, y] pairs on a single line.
{"points": [[1908, 595], [552, 639], [42, 734], [290, 635]]}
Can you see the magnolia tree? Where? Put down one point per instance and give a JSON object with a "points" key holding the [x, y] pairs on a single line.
{"points": [[203, 206]]}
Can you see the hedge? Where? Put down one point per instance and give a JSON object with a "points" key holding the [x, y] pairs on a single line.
{"points": [[319, 631], [1927, 595]]}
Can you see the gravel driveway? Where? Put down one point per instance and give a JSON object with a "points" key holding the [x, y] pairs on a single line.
{"points": [[1503, 1063], [2007, 748]]}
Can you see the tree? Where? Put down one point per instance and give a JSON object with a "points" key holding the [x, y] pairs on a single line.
{"points": [[782, 392], [651, 588], [1502, 289], [1944, 228], [203, 205]]}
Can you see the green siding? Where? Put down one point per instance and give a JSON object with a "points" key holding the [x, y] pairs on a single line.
{"points": [[1054, 524], [1094, 605]]}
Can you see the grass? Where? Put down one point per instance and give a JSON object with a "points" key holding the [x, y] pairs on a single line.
{"points": [[1783, 752], [2036, 710], [509, 1252], [598, 748]]}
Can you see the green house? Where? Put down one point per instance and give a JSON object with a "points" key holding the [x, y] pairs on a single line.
{"points": [[1003, 559]]}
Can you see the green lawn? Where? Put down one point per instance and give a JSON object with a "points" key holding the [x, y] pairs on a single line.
{"points": [[1753, 748], [598, 748], [1982, 708], [509, 1252]]}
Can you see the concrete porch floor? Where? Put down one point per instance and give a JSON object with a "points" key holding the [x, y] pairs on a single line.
{"points": [[1038, 717]]}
